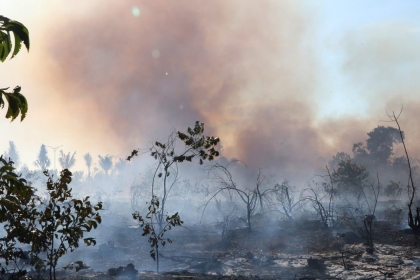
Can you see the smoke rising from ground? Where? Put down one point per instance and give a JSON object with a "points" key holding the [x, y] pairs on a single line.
{"points": [[250, 71], [246, 73]]}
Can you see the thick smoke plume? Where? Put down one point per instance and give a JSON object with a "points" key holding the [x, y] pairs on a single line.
{"points": [[119, 75]]}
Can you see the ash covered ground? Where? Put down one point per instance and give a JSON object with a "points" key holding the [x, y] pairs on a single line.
{"points": [[274, 249]]}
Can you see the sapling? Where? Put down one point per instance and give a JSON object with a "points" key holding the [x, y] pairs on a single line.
{"points": [[156, 234], [63, 220], [168, 155]]}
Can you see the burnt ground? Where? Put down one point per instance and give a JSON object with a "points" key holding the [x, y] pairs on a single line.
{"points": [[290, 250]]}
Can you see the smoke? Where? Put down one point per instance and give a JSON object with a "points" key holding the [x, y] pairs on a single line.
{"points": [[241, 68], [382, 65], [117, 76]]}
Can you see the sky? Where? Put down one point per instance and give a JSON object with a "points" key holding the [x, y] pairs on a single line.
{"points": [[285, 85]]}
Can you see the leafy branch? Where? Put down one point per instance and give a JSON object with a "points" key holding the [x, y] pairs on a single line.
{"points": [[17, 103], [156, 236]]}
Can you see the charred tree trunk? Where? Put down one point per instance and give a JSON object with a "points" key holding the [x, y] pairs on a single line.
{"points": [[249, 210]]}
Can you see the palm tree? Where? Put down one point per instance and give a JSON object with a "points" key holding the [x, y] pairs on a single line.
{"points": [[43, 161], [105, 163], [66, 161], [88, 161]]}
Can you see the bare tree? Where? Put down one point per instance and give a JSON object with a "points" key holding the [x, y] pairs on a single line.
{"points": [[361, 218], [413, 221], [322, 198], [250, 197], [286, 198], [370, 216], [227, 217]]}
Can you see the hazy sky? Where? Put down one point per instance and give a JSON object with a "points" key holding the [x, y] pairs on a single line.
{"points": [[284, 84]]}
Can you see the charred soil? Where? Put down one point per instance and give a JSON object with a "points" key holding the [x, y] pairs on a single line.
{"points": [[289, 250]]}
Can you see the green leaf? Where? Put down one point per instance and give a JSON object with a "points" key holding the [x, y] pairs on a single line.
{"points": [[18, 44], [6, 168], [1, 100], [5, 46], [23, 105], [17, 104], [18, 30]]}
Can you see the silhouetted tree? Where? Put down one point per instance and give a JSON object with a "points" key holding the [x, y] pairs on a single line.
{"points": [[105, 163], [88, 160], [339, 157], [378, 151], [66, 161], [12, 154], [393, 189], [350, 177], [380, 143], [43, 161]]}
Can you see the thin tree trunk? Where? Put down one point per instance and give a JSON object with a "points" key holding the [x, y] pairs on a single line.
{"points": [[52, 256], [248, 206], [157, 258]]}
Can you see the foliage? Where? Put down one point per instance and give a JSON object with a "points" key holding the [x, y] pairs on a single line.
{"points": [[393, 189], [339, 157], [105, 163], [32, 176], [17, 103], [376, 156], [156, 236], [20, 34], [378, 153], [195, 145], [168, 157], [66, 161], [43, 161], [88, 160], [380, 143], [78, 177], [12, 154], [379, 146], [350, 177], [63, 221], [17, 213]]}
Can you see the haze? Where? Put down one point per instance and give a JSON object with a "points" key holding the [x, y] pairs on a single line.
{"points": [[284, 84]]}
